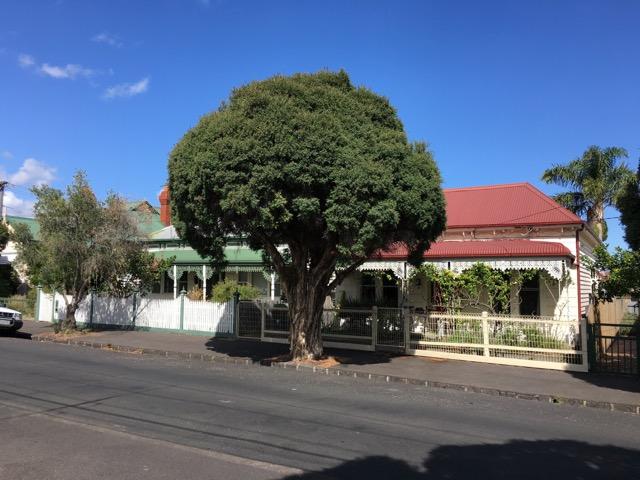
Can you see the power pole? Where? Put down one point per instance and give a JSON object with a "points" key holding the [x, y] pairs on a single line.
{"points": [[3, 184]]}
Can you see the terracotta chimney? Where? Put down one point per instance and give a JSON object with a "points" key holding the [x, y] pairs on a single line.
{"points": [[165, 208]]}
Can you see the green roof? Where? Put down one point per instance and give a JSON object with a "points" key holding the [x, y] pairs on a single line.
{"points": [[31, 223], [233, 255], [147, 222]]}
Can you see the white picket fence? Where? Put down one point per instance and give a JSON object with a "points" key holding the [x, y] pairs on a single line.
{"points": [[143, 312]]}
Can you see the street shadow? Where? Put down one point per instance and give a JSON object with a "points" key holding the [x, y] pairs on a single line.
{"points": [[256, 350], [626, 383], [521, 459], [18, 334]]}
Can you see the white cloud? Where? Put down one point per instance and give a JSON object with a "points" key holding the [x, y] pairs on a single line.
{"points": [[6, 154], [108, 39], [70, 71], [26, 61], [17, 206], [33, 172], [127, 89]]}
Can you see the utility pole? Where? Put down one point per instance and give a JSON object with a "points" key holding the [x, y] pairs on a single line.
{"points": [[3, 184]]}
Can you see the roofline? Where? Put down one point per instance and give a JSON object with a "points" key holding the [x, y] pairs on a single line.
{"points": [[20, 217], [485, 187], [383, 257], [539, 224]]}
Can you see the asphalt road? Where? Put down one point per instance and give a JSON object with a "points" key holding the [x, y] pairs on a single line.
{"points": [[76, 413]]}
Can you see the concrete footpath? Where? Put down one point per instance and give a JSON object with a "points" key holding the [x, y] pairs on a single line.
{"points": [[610, 392]]}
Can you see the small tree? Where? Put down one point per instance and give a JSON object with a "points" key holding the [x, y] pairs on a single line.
{"points": [[84, 243], [620, 273], [314, 171], [4, 235]]}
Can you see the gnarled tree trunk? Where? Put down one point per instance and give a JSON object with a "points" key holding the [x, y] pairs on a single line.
{"points": [[69, 322], [305, 313]]}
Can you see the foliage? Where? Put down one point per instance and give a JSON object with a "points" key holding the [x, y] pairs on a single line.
{"points": [[4, 235], [85, 243], [629, 206], [312, 164], [223, 291], [596, 182], [25, 304], [478, 287], [9, 280], [620, 273], [526, 336], [195, 293]]}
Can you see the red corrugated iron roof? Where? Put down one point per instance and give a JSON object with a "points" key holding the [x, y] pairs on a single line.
{"points": [[481, 249], [508, 205]]}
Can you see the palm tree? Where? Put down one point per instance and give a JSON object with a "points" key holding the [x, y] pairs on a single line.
{"points": [[596, 182]]}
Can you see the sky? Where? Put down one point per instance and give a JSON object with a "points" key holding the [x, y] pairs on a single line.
{"points": [[500, 90]]}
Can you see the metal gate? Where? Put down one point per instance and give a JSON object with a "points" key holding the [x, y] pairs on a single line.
{"points": [[613, 348], [249, 319]]}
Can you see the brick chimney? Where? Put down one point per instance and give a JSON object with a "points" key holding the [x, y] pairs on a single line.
{"points": [[165, 208]]}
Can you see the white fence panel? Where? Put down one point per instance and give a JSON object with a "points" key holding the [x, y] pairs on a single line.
{"points": [[206, 316], [112, 311], [45, 307], [158, 313]]}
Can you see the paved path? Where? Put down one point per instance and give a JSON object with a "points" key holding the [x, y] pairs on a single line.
{"points": [[113, 415], [593, 387]]}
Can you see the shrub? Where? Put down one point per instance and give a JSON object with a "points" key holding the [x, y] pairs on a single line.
{"points": [[195, 293], [223, 291]]}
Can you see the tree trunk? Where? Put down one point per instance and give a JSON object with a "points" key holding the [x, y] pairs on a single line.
{"points": [[305, 311], [595, 219], [69, 322]]}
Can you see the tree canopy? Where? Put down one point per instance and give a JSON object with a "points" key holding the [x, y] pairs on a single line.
{"points": [[4, 235], [84, 243], [620, 273], [629, 206], [596, 182], [314, 171]]}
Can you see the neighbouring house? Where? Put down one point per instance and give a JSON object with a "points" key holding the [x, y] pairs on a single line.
{"points": [[509, 227]]}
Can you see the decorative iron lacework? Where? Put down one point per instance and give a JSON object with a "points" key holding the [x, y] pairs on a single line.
{"points": [[554, 267]]}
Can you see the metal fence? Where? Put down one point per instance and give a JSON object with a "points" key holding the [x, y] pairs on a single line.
{"points": [[542, 342], [614, 348]]}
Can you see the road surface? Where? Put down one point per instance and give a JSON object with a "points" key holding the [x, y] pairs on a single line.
{"points": [[77, 413]]}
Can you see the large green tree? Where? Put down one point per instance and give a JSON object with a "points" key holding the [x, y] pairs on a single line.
{"points": [[314, 171], [84, 243], [596, 180], [629, 206]]}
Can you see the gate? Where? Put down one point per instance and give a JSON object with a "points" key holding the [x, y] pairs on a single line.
{"points": [[613, 348], [249, 319]]}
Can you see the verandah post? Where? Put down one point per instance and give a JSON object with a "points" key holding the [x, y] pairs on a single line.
{"points": [[485, 334], [262, 319]]}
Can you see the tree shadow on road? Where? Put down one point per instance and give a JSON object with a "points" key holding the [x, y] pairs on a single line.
{"points": [[518, 459]]}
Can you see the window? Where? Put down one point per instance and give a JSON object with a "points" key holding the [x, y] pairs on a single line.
{"points": [[243, 278], [368, 289], [530, 297]]}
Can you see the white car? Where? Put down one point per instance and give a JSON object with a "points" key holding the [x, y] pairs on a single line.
{"points": [[10, 319]]}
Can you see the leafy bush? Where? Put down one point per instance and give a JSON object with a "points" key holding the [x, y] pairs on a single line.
{"points": [[195, 293], [223, 291]]}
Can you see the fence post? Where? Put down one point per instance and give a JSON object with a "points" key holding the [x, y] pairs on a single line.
{"points": [[182, 295], [585, 343], [374, 327], [36, 314], [235, 302], [485, 334], [406, 317]]}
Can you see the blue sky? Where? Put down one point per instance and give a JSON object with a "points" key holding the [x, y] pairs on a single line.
{"points": [[500, 90]]}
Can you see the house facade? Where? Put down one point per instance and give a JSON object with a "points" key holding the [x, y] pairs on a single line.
{"points": [[510, 227]]}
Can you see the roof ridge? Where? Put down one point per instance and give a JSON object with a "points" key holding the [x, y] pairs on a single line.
{"points": [[487, 187], [565, 211]]}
